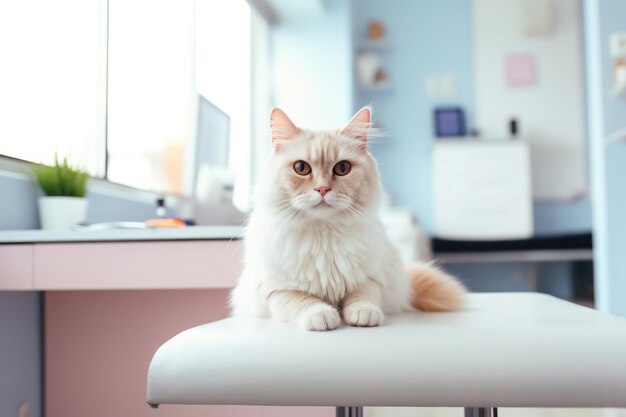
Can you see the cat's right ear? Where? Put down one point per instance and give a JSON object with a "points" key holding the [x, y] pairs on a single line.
{"points": [[358, 127], [282, 128]]}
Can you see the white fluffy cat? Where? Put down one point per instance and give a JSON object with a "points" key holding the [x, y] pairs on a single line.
{"points": [[316, 249]]}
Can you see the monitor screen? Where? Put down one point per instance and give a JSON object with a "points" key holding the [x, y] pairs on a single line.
{"points": [[212, 135], [210, 143]]}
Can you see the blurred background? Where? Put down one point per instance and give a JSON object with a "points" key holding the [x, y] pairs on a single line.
{"points": [[504, 154]]}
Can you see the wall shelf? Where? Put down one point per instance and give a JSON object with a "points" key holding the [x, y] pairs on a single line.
{"points": [[376, 88], [374, 46]]}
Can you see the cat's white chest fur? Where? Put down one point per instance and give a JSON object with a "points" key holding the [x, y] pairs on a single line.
{"points": [[324, 260]]}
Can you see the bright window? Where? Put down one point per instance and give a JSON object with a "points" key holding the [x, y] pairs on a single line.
{"points": [[114, 84], [150, 92], [52, 81], [223, 76]]}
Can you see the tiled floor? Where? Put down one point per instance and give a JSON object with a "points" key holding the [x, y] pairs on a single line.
{"points": [[502, 412]]}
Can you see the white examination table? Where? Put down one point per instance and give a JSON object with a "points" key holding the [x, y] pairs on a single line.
{"points": [[513, 350]]}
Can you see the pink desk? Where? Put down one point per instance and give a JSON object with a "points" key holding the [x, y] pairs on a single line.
{"points": [[110, 298]]}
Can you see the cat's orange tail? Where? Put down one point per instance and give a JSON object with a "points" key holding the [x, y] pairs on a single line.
{"points": [[434, 290]]}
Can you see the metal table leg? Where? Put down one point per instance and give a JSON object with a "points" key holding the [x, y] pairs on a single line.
{"points": [[349, 411], [481, 412], [469, 412]]}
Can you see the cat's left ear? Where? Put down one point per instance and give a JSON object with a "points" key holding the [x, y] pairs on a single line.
{"points": [[282, 128], [358, 127]]}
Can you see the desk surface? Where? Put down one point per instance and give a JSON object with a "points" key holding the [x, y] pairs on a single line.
{"points": [[115, 235], [513, 350], [191, 257]]}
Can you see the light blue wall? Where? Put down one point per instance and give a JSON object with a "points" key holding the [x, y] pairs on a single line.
{"points": [[606, 114], [499, 277], [429, 38], [562, 218], [20, 352], [312, 67], [551, 278], [425, 37], [19, 202]]}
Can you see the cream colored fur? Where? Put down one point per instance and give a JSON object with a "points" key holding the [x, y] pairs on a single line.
{"points": [[312, 260]]}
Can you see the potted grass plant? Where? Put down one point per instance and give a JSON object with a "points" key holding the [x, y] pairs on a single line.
{"points": [[64, 187]]}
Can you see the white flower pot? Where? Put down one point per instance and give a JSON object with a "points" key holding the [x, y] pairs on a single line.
{"points": [[61, 212]]}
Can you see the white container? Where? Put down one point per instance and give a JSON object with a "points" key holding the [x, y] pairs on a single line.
{"points": [[61, 212], [367, 64]]}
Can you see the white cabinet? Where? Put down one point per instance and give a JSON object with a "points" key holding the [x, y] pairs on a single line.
{"points": [[482, 189]]}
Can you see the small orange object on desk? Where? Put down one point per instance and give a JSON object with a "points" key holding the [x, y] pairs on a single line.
{"points": [[166, 223]]}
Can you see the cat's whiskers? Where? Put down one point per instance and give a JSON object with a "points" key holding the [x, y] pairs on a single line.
{"points": [[352, 211], [355, 210], [287, 209], [285, 205]]}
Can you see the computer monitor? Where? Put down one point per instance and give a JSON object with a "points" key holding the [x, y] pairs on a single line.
{"points": [[209, 144]]}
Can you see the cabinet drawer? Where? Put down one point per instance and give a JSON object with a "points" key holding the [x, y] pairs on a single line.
{"points": [[16, 267]]}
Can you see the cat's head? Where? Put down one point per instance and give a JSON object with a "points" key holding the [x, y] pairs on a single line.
{"points": [[321, 174]]}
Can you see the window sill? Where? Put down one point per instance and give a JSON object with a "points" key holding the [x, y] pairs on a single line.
{"points": [[19, 169]]}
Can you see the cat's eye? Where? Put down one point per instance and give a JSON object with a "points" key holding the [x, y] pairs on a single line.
{"points": [[302, 168], [342, 168]]}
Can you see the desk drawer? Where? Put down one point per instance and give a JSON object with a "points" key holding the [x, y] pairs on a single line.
{"points": [[99, 345], [16, 267], [137, 265]]}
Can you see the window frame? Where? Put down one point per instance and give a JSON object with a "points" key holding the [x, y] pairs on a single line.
{"points": [[17, 165], [20, 166]]}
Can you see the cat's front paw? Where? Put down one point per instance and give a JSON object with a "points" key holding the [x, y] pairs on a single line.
{"points": [[320, 317], [363, 314]]}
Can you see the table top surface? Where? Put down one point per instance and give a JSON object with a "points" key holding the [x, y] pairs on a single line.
{"points": [[115, 235], [508, 349]]}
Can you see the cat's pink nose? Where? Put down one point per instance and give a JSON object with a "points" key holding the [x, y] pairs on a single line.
{"points": [[322, 190]]}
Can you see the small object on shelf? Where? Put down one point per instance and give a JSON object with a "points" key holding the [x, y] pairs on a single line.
{"points": [[513, 128], [372, 77], [160, 207], [381, 76], [449, 122], [375, 30], [538, 18], [619, 77], [367, 65], [618, 56]]}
